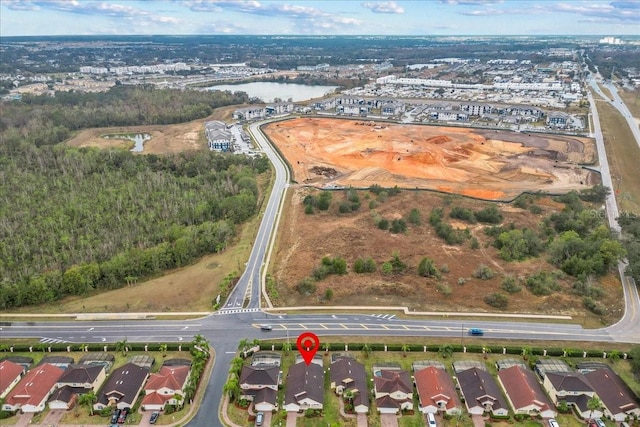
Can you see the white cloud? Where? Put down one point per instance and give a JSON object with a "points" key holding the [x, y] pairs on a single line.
{"points": [[384, 7], [616, 11]]}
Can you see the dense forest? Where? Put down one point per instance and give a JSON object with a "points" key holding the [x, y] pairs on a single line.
{"points": [[74, 221], [77, 220], [44, 120]]}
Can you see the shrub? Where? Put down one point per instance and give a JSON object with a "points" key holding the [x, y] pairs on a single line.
{"points": [[497, 300], [484, 272], [324, 200], [444, 268], [398, 226], [328, 294], [475, 244], [362, 265], [427, 268], [542, 283], [593, 306], [489, 215], [444, 289], [463, 214], [306, 286], [535, 209], [383, 224], [510, 284], [344, 207], [462, 281], [308, 209], [414, 217], [373, 204]]}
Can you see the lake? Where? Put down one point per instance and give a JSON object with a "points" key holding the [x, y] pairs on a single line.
{"points": [[268, 91]]}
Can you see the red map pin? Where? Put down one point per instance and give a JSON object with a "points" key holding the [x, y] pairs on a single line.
{"points": [[308, 344]]}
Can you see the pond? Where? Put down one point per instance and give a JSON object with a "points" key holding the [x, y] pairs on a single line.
{"points": [[268, 91]]}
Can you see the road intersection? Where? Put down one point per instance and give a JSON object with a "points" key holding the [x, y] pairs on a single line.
{"points": [[241, 315]]}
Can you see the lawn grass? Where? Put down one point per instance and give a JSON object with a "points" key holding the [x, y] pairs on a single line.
{"points": [[623, 154]]}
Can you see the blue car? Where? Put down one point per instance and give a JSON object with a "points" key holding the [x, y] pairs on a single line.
{"points": [[476, 332]]}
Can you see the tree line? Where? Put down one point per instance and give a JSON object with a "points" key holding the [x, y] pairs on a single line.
{"points": [[46, 120], [74, 221]]}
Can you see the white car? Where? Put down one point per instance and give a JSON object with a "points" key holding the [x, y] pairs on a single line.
{"points": [[431, 419]]}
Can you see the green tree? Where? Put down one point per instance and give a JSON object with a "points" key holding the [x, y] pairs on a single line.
{"points": [[415, 217], [88, 399], [366, 350], [122, 346], [593, 404], [231, 388], [286, 347], [163, 348], [445, 351], [404, 349]]}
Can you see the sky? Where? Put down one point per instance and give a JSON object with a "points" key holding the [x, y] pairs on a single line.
{"points": [[320, 17]]}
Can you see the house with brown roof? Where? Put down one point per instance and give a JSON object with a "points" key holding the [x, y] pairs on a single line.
{"points": [[10, 374], [304, 387], [164, 388], [436, 391], [76, 380], [393, 390], [481, 393], [524, 392], [33, 390], [348, 375], [122, 387], [573, 388], [618, 399], [254, 379]]}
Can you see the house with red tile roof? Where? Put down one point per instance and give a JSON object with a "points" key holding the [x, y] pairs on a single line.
{"points": [[524, 392], [393, 390], [618, 399], [162, 388], [436, 391], [31, 393], [10, 375]]}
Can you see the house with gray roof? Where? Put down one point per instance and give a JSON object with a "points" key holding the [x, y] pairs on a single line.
{"points": [[123, 387], [348, 375], [481, 393], [304, 387], [259, 384], [619, 401], [574, 388]]}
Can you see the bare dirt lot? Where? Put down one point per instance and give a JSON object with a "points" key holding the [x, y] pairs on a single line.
{"points": [[164, 138], [305, 239], [480, 163]]}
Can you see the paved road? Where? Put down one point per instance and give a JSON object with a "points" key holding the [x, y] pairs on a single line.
{"points": [[225, 329]]}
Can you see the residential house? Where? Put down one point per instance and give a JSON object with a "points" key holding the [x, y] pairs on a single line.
{"points": [[436, 391], [618, 399], [76, 380], [558, 119], [393, 390], [31, 393], [255, 379], [10, 374], [166, 388], [573, 388], [524, 393], [348, 375], [481, 393], [278, 108], [122, 387], [305, 387]]}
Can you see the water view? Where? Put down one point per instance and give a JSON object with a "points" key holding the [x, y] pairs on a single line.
{"points": [[269, 91]]}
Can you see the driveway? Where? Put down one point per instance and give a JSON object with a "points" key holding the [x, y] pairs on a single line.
{"points": [[478, 421], [292, 418], [388, 420], [362, 420], [53, 417]]}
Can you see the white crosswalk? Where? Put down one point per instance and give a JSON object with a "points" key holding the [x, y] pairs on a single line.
{"points": [[237, 310], [384, 316], [51, 340]]}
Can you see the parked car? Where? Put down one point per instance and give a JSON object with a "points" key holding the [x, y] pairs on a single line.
{"points": [[259, 418], [476, 332], [114, 416], [553, 423], [431, 419], [154, 417], [600, 423], [266, 327], [123, 415]]}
